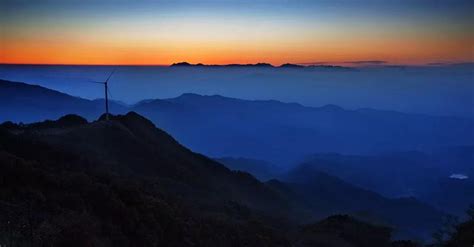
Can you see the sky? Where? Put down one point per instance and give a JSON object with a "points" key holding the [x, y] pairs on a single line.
{"points": [[352, 32]]}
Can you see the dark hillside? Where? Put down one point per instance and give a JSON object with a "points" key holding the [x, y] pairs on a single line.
{"points": [[327, 195], [124, 182], [55, 191], [21, 102]]}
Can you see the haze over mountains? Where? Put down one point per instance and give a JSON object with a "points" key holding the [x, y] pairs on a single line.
{"points": [[137, 169], [442, 89], [281, 133], [383, 167], [236, 123], [20, 102], [408, 174], [261, 129], [120, 183]]}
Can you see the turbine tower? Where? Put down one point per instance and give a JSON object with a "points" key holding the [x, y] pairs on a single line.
{"points": [[106, 91]]}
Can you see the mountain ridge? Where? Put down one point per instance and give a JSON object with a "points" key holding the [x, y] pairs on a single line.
{"points": [[21, 102], [260, 65], [14, 84], [230, 125], [131, 147]]}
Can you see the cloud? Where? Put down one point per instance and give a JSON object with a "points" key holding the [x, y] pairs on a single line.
{"points": [[459, 176], [451, 64], [438, 64], [357, 62]]}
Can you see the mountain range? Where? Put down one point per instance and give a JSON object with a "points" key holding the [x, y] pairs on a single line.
{"points": [[261, 129], [218, 126], [421, 175], [261, 65], [127, 162], [130, 147]]}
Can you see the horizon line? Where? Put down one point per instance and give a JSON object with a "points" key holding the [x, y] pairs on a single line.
{"points": [[305, 64]]}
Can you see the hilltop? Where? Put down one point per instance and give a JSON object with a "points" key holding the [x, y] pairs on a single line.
{"points": [[110, 178]]}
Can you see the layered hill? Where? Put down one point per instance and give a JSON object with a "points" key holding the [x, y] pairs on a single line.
{"points": [[283, 133], [277, 132], [126, 179], [21, 102], [132, 146], [327, 195], [124, 182], [427, 176]]}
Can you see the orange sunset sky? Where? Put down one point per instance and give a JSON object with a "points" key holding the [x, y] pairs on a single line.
{"points": [[213, 32]]}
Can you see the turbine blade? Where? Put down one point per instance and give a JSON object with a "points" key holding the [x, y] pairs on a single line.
{"points": [[110, 94], [111, 73], [98, 82]]}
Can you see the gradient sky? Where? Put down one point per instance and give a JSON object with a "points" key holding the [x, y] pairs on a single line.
{"points": [[222, 32]]}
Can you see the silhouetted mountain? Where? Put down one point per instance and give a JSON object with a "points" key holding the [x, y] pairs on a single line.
{"points": [[124, 182], [130, 145], [20, 102], [262, 65], [281, 133], [463, 234], [407, 172], [259, 168], [291, 66], [329, 195], [257, 65], [422, 175], [181, 64], [286, 132]]}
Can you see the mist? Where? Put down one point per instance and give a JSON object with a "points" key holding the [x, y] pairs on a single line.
{"points": [[434, 90]]}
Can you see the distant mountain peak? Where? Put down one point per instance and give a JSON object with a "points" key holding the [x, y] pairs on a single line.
{"points": [[263, 65], [291, 65], [186, 64], [130, 117], [195, 96], [181, 64], [190, 95]]}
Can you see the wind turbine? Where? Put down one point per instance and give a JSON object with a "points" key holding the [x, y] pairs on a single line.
{"points": [[106, 90]]}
